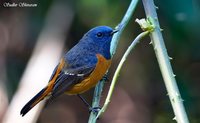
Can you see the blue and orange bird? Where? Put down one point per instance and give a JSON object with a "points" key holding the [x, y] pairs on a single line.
{"points": [[81, 67]]}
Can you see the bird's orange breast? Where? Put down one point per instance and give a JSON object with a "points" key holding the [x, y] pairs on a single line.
{"points": [[89, 82]]}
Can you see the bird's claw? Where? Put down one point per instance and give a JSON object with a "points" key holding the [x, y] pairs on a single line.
{"points": [[94, 109], [105, 78]]}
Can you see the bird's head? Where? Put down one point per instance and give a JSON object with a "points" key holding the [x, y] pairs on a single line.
{"points": [[100, 37], [101, 34]]}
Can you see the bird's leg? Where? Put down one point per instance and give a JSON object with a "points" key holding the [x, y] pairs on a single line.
{"points": [[105, 77], [95, 109], [84, 101]]}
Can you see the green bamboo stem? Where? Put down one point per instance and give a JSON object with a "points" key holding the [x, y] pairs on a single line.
{"points": [[164, 63], [114, 43], [116, 75]]}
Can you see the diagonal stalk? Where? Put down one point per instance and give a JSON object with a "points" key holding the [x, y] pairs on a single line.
{"points": [[164, 63], [119, 67], [115, 40]]}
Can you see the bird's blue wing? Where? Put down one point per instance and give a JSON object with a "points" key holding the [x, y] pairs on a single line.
{"points": [[69, 77]]}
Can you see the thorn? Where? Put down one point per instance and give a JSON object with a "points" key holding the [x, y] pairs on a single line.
{"points": [[174, 75], [174, 118], [161, 29], [167, 94], [170, 58], [150, 42], [179, 97], [156, 7]]}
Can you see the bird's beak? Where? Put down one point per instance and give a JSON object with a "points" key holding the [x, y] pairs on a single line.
{"points": [[114, 31]]}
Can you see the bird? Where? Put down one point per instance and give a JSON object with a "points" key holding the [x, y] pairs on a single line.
{"points": [[80, 68]]}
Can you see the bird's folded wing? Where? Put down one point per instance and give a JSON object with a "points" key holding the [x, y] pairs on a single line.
{"points": [[69, 77]]}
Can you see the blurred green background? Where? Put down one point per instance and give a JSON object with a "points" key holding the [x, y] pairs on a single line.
{"points": [[140, 96]]}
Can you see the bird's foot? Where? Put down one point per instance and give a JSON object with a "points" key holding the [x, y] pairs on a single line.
{"points": [[105, 78], [94, 109]]}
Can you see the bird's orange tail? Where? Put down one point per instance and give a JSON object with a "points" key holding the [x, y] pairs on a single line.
{"points": [[35, 100]]}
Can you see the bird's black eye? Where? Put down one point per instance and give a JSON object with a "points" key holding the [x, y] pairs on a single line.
{"points": [[99, 34]]}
